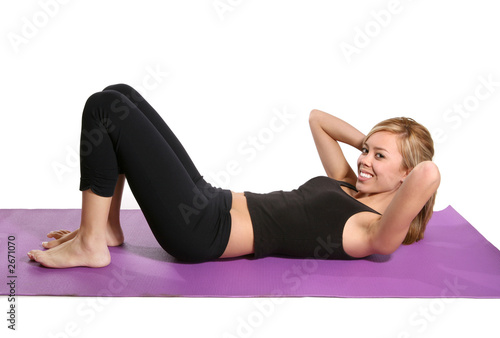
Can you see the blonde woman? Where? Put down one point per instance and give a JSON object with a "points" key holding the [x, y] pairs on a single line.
{"points": [[350, 213]]}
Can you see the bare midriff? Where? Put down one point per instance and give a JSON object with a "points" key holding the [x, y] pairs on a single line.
{"points": [[241, 239]]}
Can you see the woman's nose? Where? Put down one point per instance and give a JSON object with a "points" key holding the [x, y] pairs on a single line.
{"points": [[366, 161]]}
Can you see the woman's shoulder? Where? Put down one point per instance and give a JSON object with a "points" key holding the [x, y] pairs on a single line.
{"points": [[325, 180], [320, 182]]}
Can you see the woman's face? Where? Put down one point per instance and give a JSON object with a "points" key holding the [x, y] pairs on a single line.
{"points": [[380, 164]]}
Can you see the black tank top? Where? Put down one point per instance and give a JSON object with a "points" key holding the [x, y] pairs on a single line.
{"points": [[306, 222]]}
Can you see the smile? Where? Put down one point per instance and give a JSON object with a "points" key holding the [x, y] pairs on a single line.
{"points": [[365, 175]]}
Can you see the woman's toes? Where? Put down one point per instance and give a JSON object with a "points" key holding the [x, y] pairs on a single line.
{"points": [[54, 243], [32, 255], [58, 234], [52, 234], [51, 244]]}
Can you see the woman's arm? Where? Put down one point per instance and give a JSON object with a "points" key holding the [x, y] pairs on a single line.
{"points": [[387, 234], [327, 131]]}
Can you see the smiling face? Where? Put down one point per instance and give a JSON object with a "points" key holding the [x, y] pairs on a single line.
{"points": [[380, 165]]}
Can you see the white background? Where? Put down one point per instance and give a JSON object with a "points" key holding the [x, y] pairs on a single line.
{"points": [[220, 76]]}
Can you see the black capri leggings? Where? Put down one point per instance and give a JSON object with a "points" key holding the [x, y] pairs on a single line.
{"points": [[123, 134]]}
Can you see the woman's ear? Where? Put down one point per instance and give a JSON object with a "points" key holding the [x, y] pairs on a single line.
{"points": [[407, 172]]}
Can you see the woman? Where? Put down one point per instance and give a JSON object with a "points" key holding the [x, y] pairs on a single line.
{"points": [[347, 215]]}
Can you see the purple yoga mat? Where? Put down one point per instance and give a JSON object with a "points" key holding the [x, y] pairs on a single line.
{"points": [[454, 260]]}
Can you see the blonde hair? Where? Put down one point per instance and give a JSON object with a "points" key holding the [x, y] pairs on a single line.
{"points": [[415, 145]]}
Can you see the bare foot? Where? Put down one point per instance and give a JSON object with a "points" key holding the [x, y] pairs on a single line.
{"points": [[74, 252], [114, 236], [60, 237], [58, 234]]}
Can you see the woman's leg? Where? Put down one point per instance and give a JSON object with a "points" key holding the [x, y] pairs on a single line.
{"points": [[114, 233], [152, 115], [88, 247], [160, 125], [114, 230], [190, 221]]}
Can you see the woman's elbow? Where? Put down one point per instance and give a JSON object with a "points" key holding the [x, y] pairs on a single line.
{"points": [[385, 250], [428, 172], [384, 247], [313, 116]]}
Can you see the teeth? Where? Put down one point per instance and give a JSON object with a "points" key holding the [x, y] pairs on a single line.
{"points": [[365, 175]]}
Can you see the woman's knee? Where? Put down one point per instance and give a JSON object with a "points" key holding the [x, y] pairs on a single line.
{"points": [[103, 99], [109, 103], [126, 90], [119, 87]]}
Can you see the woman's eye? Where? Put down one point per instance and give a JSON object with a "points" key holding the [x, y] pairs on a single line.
{"points": [[379, 155], [364, 150]]}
